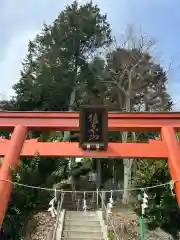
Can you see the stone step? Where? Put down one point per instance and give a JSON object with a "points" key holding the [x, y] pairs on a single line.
{"points": [[88, 238], [77, 234], [79, 222], [82, 214], [82, 218], [79, 225], [82, 228]]}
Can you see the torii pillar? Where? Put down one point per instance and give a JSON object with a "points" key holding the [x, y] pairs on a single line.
{"points": [[168, 136], [11, 160]]}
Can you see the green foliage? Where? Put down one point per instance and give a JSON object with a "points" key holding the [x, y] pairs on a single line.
{"points": [[111, 235], [58, 58], [162, 208], [24, 201], [81, 168]]}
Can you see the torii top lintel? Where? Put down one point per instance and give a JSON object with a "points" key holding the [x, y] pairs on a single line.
{"points": [[69, 121]]}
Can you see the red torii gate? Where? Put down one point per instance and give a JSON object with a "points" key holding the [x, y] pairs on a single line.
{"points": [[22, 122]]}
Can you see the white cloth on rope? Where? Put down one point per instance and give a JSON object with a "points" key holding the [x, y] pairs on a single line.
{"points": [[110, 203], [52, 209], [84, 205]]}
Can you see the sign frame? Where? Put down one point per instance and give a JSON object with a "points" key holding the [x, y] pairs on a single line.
{"points": [[101, 110]]}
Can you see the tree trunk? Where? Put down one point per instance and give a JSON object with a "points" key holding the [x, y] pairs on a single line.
{"points": [[99, 168], [126, 182], [125, 198], [67, 134], [127, 162], [127, 172]]}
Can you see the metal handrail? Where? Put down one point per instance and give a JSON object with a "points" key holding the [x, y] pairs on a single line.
{"points": [[107, 217], [59, 207]]}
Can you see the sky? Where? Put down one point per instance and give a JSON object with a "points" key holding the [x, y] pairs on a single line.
{"points": [[21, 20]]}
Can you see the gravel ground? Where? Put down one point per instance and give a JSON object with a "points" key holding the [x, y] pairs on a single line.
{"points": [[40, 226], [126, 224]]}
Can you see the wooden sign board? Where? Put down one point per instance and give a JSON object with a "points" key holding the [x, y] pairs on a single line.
{"points": [[93, 123]]}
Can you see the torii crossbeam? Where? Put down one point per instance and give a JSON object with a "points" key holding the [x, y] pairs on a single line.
{"points": [[22, 122]]}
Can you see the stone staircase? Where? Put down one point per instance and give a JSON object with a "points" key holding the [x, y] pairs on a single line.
{"points": [[78, 225]]}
